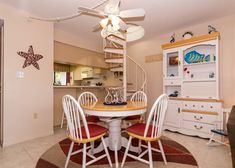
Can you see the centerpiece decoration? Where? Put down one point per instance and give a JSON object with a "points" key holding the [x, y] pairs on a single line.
{"points": [[114, 96]]}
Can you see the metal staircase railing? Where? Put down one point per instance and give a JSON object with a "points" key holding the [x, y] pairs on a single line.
{"points": [[136, 75]]}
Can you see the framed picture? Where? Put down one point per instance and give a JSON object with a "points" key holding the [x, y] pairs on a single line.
{"points": [[174, 60]]}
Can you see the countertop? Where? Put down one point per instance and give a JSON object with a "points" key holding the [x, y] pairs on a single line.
{"points": [[81, 86]]}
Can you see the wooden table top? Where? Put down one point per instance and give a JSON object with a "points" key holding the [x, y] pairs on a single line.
{"points": [[99, 106]]}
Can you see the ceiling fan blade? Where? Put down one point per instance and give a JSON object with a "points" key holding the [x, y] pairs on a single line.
{"points": [[96, 28], [134, 33], [112, 7], [92, 11], [117, 5], [132, 13], [123, 25]]}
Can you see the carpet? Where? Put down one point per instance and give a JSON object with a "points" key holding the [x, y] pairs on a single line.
{"points": [[176, 154]]}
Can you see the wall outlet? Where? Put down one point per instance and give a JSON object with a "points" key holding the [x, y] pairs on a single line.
{"points": [[35, 115]]}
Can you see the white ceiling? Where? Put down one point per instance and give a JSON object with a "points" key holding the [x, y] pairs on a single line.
{"points": [[162, 16]]}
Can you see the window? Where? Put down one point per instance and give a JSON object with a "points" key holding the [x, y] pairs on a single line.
{"points": [[60, 78], [61, 74]]}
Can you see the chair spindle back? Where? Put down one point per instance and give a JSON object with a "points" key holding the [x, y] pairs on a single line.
{"points": [[139, 96], [87, 98], [156, 116], [75, 117]]}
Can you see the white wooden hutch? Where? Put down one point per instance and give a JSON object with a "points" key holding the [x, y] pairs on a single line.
{"points": [[191, 79]]}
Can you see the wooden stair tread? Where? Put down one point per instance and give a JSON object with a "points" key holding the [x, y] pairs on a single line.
{"points": [[114, 48], [118, 66], [131, 91], [115, 37], [118, 57]]}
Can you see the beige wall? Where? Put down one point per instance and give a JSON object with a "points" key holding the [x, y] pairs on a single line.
{"points": [[71, 54], [226, 26], [78, 40], [25, 98]]}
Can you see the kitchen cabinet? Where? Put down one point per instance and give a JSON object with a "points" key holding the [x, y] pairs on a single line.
{"points": [[86, 72], [173, 114], [77, 73]]}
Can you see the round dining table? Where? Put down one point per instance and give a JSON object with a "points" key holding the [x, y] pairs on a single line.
{"points": [[113, 115]]}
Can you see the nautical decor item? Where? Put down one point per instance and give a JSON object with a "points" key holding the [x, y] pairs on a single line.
{"points": [[172, 39], [211, 29], [195, 57], [187, 35], [114, 96], [211, 75], [175, 94], [30, 57], [174, 60]]}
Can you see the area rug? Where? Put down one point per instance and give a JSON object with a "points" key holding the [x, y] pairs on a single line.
{"points": [[176, 154]]}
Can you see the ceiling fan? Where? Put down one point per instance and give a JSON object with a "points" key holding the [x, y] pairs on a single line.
{"points": [[113, 18]]}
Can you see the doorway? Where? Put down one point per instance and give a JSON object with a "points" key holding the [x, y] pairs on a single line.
{"points": [[1, 81]]}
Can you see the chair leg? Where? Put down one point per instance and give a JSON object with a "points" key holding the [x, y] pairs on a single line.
{"points": [[106, 151], [211, 139], [125, 154], [162, 151], [92, 147], [69, 155], [150, 155], [62, 121], [84, 156], [116, 155], [140, 142]]}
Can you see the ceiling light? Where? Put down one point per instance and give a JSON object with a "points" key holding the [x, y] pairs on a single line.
{"points": [[104, 22]]}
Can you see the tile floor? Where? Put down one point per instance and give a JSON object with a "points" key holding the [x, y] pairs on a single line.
{"points": [[25, 155]]}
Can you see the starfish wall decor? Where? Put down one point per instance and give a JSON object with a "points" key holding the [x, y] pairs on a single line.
{"points": [[30, 57]]}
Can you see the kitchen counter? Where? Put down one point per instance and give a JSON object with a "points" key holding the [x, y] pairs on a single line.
{"points": [[81, 86], [75, 91]]}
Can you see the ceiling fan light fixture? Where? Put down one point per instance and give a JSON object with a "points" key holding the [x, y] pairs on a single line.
{"points": [[115, 20], [116, 27], [104, 22]]}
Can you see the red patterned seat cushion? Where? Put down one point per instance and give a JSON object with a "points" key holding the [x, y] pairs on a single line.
{"points": [[92, 119], [139, 129], [95, 130], [135, 117]]}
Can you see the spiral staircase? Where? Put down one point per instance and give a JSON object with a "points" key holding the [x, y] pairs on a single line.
{"points": [[133, 75]]}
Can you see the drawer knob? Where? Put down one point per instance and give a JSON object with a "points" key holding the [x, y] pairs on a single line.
{"points": [[197, 127], [202, 106], [193, 105], [198, 118], [211, 106]]}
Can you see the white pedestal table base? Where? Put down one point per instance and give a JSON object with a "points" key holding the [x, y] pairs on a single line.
{"points": [[115, 141]]}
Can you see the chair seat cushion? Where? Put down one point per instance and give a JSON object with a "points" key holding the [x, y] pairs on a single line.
{"points": [[220, 132], [92, 119], [135, 117], [95, 130], [139, 129]]}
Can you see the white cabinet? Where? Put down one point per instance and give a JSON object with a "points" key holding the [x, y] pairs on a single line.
{"points": [[173, 114], [81, 72], [76, 73], [87, 72], [172, 63], [191, 79]]}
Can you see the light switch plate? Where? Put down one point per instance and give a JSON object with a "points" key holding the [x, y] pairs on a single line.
{"points": [[20, 74]]}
